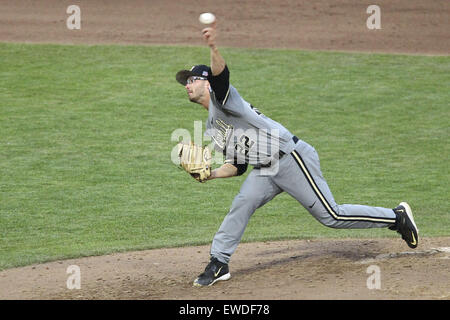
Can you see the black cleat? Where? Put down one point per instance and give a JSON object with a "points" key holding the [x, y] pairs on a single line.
{"points": [[405, 225], [214, 271]]}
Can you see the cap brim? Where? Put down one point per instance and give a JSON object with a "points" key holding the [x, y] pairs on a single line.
{"points": [[183, 75]]}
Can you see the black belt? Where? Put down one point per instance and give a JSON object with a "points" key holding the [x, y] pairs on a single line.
{"points": [[280, 155]]}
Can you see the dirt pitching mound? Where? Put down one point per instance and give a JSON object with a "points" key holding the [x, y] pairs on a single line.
{"points": [[302, 269]]}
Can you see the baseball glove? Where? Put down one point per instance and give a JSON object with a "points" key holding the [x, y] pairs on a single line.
{"points": [[195, 160]]}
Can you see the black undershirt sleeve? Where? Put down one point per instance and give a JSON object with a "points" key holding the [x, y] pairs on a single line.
{"points": [[220, 84], [241, 168]]}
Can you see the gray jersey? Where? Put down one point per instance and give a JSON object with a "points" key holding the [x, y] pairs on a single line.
{"points": [[243, 134], [247, 136]]}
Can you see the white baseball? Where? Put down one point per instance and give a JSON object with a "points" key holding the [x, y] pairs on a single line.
{"points": [[207, 18]]}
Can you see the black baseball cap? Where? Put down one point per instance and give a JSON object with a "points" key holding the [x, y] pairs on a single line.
{"points": [[199, 70]]}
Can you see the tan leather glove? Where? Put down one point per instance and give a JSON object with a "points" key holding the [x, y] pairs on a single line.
{"points": [[195, 160]]}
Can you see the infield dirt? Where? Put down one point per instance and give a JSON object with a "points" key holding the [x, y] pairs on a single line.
{"points": [[301, 269], [407, 26]]}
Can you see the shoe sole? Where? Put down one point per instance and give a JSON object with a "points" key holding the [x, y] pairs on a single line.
{"points": [[222, 278], [411, 218]]}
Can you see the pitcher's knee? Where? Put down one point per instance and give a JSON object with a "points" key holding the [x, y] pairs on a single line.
{"points": [[329, 222], [325, 217]]}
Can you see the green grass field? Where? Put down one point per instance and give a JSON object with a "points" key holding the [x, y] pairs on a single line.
{"points": [[85, 142]]}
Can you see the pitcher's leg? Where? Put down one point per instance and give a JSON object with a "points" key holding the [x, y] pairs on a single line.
{"points": [[306, 183], [255, 192]]}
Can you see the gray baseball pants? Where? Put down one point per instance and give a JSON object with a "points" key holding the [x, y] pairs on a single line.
{"points": [[299, 175]]}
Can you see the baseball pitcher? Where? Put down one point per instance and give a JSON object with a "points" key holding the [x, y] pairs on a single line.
{"points": [[281, 163]]}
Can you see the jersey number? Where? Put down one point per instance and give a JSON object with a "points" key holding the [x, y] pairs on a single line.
{"points": [[244, 145]]}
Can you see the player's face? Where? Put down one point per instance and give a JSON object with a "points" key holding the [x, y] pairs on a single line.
{"points": [[196, 87]]}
